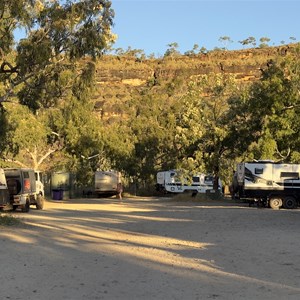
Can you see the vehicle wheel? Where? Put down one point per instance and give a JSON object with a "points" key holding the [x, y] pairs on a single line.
{"points": [[275, 203], [40, 202], [26, 207], [14, 207], [289, 202]]}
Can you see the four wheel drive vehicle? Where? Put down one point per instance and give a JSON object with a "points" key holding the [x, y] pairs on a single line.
{"points": [[4, 193], [22, 188]]}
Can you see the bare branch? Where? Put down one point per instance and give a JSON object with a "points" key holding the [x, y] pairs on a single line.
{"points": [[290, 107], [281, 155], [16, 162], [50, 151]]}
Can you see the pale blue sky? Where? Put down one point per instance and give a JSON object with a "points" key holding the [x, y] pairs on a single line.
{"points": [[151, 25]]}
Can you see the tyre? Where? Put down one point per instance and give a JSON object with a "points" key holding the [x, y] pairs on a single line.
{"points": [[289, 202], [39, 202], [275, 203], [26, 207]]}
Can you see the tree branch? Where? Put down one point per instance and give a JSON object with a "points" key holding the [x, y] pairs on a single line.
{"points": [[16, 162], [282, 156]]}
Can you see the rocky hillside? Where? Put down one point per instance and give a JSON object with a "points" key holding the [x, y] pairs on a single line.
{"points": [[119, 78]]}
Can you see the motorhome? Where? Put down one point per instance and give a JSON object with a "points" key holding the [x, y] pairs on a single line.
{"points": [[175, 181], [268, 183]]}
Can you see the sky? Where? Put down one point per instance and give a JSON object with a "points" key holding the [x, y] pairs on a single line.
{"points": [[152, 25]]}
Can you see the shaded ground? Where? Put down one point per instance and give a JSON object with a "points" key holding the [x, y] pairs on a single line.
{"points": [[150, 248]]}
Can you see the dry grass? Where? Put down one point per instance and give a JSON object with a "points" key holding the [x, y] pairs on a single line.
{"points": [[208, 197], [7, 220]]}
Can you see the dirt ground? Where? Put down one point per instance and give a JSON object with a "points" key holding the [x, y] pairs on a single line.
{"points": [[151, 248]]}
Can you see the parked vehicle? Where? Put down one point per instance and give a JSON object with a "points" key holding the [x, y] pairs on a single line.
{"points": [[22, 186], [267, 183], [4, 193], [173, 181], [39, 183], [106, 182]]}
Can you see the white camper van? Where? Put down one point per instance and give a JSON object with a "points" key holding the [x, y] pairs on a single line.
{"points": [[173, 181], [269, 183]]}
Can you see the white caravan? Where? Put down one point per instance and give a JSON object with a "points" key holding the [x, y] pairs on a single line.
{"points": [[106, 182], [268, 183], [4, 193], [173, 181]]}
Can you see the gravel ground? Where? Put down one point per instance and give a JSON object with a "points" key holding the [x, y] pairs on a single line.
{"points": [[151, 248]]}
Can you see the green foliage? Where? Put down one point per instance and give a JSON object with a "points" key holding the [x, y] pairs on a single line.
{"points": [[78, 125], [264, 42], [268, 115], [172, 50], [3, 129], [51, 73], [29, 141], [193, 51], [58, 34], [225, 40], [152, 124], [250, 40], [201, 129]]}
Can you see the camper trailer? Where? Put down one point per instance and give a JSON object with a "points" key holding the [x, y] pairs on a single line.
{"points": [[106, 182], [174, 181], [268, 183]]}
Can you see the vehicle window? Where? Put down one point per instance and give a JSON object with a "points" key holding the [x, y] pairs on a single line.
{"points": [[290, 175], [259, 170], [196, 179]]}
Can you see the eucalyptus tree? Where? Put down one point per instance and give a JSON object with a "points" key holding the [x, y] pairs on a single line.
{"points": [[264, 42], [250, 40], [225, 40], [172, 50], [266, 118], [60, 41], [202, 129], [57, 33], [79, 127], [149, 135], [28, 143], [192, 52]]}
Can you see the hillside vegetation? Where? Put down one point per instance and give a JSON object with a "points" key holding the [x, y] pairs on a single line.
{"points": [[201, 113], [118, 78]]}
